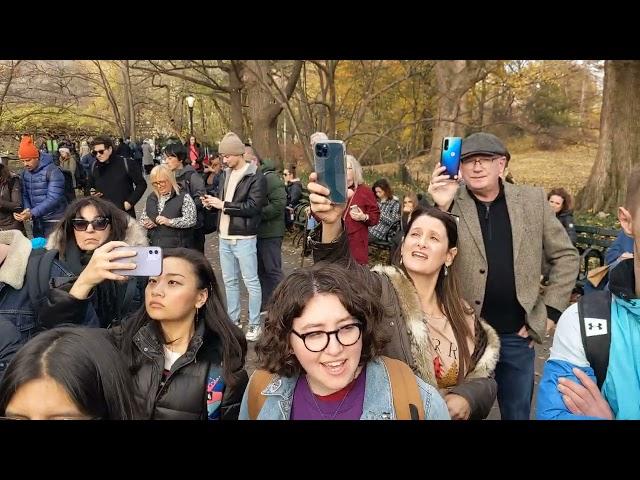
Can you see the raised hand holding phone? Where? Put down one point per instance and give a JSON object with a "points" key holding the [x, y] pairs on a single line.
{"points": [[106, 264]]}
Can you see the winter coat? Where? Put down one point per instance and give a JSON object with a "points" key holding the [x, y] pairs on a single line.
{"points": [[272, 214], [44, 198]]}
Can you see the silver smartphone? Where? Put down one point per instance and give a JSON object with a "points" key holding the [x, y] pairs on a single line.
{"points": [[148, 261]]}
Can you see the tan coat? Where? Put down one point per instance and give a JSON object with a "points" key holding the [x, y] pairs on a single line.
{"points": [[536, 232]]}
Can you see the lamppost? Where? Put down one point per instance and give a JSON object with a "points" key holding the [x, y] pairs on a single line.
{"points": [[190, 101]]}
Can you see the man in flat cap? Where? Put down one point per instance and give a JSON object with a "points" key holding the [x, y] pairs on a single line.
{"points": [[504, 232]]}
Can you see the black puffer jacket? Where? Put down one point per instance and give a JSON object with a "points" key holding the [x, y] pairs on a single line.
{"points": [[248, 199], [183, 395]]}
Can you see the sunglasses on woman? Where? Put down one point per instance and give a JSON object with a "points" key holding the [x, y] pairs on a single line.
{"points": [[98, 223]]}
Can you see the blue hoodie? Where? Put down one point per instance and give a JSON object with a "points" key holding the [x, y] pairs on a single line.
{"points": [[46, 200]]}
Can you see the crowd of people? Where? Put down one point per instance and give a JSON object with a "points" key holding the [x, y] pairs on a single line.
{"points": [[441, 333]]}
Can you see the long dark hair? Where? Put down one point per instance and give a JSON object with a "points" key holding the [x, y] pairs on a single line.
{"points": [[290, 299], [448, 293], [85, 363], [119, 220], [216, 320], [383, 184]]}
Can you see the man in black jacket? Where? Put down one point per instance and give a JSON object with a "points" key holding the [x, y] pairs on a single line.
{"points": [[114, 178], [241, 198]]}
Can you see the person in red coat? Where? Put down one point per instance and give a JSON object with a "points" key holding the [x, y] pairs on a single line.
{"points": [[361, 213]]}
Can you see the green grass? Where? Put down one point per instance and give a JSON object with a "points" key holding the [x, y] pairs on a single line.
{"points": [[568, 168]]}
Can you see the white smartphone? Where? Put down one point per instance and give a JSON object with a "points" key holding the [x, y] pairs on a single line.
{"points": [[148, 261]]}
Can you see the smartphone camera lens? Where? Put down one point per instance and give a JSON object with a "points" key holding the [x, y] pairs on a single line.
{"points": [[156, 252], [150, 252], [322, 150], [446, 143]]}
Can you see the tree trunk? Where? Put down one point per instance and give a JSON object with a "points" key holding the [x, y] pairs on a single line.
{"points": [[619, 144], [265, 103], [130, 113], [235, 84], [453, 79]]}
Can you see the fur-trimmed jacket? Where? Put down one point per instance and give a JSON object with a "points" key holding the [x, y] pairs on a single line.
{"points": [[409, 338], [112, 300]]}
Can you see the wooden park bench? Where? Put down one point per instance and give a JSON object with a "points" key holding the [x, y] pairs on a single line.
{"points": [[592, 244], [387, 245]]}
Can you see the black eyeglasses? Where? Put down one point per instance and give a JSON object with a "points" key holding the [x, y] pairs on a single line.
{"points": [[98, 223], [319, 340], [98, 152], [482, 161]]}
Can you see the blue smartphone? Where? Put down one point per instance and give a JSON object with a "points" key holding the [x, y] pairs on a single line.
{"points": [[331, 168], [450, 158]]}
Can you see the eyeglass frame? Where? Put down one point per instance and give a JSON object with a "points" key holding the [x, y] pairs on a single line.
{"points": [[480, 160], [303, 336], [90, 222]]}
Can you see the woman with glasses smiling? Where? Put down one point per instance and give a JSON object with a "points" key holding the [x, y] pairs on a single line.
{"points": [[321, 343], [170, 213], [432, 328], [89, 223]]}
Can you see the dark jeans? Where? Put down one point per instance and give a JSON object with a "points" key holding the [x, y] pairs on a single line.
{"points": [[43, 229], [269, 266], [515, 377]]}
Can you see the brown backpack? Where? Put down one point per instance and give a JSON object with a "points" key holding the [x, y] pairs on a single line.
{"points": [[404, 388]]}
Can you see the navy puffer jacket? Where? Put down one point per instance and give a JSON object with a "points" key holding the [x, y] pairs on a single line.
{"points": [[46, 200]]}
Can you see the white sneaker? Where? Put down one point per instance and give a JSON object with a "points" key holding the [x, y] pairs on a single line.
{"points": [[253, 333]]}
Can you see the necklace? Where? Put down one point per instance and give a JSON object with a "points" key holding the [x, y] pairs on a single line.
{"points": [[315, 401]]}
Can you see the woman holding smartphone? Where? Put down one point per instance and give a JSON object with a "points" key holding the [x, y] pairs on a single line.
{"points": [[361, 213], [432, 328], [185, 355], [89, 223]]}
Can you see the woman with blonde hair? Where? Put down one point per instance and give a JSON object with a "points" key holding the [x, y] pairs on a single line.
{"points": [[170, 214], [361, 213]]}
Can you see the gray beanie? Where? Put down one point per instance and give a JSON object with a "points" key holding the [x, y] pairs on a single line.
{"points": [[231, 145]]}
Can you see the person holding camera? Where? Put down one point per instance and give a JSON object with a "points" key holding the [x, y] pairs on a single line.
{"points": [[186, 357], [505, 233], [88, 224]]}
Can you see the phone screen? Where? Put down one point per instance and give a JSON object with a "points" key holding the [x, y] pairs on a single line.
{"points": [[450, 157], [148, 261], [331, 168]]}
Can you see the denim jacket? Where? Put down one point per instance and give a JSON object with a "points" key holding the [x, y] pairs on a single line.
{"points": [[378, 400], [19, 320]]}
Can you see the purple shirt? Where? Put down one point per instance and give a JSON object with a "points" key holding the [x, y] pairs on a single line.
{"points": [[337, 406]]}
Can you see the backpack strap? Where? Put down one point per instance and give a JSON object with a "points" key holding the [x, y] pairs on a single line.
{"points": [[404, 388], [594, 311], [38, 275], [257, 383]]}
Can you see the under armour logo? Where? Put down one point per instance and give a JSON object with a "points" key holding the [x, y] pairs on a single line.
{"points": [[595, 326]]}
